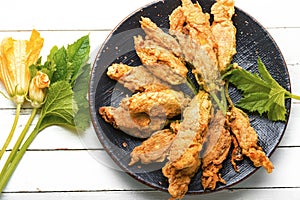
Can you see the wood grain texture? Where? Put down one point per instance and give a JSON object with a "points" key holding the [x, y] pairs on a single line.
{"points": [[70, 166], [63, 170]]}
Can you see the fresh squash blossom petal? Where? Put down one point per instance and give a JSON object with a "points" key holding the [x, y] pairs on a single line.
{"points": [[37, 89], [15, 58]]}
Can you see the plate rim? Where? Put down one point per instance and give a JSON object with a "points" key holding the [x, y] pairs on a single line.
{"points": [[93, 86]]}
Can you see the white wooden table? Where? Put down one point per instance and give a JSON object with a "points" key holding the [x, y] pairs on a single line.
{"points": [[62, 165]]}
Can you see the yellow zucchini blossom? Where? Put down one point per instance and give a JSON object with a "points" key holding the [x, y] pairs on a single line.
{"points": [[37, 88], [15, 58]]}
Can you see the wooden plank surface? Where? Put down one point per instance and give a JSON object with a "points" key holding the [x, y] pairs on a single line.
{"points": [[65, 165], [63, 170]]}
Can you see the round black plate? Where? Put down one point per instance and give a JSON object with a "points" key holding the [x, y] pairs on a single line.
{"points": [[252, 41]]}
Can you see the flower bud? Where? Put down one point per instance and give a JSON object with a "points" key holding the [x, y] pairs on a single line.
{"points": [[37, 89]]}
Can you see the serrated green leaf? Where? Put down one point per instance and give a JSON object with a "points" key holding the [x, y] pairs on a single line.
{"points": [[278, 114], [248, 82], [80, 88], [264, 72], [49, 66], [66, 103], [53, 50], [251, 103], [60, 60], [261, 93], [60, 107], [276, 105], [51, 120], [78, 54]]}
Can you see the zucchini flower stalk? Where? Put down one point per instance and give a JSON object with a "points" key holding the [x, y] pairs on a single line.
{"points": [[15, 58], [37, 89]]}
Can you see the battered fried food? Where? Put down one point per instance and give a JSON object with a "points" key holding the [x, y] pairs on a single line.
{"points": [[138, 125], [209, 49], [216, 151], [204, 68], [236, 154], [164, 103], [192, 29], [146, 112], [189, 19], [247, 138], [177, 21], [163, 39], [154, 149], [161, 62], [184, 159], [134, 78], [224, 31]]}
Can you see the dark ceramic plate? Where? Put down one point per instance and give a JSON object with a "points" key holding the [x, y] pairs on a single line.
{"points": [[252, 41]]}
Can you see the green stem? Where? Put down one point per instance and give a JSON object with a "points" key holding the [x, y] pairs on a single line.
{"points": [[11, 168], [218, 102], [192, 87], [227, 94], [223, 98], [12, 131], [290, 95], [19, 141]]}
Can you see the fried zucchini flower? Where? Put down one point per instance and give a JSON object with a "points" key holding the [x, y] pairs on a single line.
{"points": [[37, 89], [15, 58]]}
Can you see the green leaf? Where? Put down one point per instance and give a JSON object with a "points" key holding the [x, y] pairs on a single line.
{"points": [[80, 88], [261, 93], [251, 103], [53, 51], [248, 82], [277, 104], [51, 120], [78, 54], [66, 101], [49, 66], [66, 64], [60, 107], [264, 72], [60, 60], [33, 69]]}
